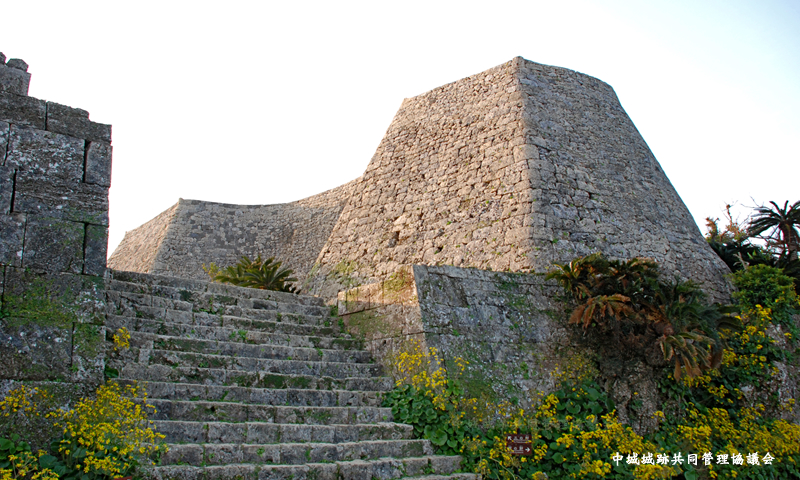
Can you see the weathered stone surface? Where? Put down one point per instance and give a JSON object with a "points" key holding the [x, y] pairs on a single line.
{"points": [[6, 189], [98, 163], [139, 248], [34, 352], [36, 153], [22, 110], [18, 64], [509, 327], [53, 323], [80, 202], [53, 245], [75, 123], [94, 253], [4, 131], [14, 80], [513, 169], [83, 295], [192, 233], [2, 58], [12, 233]]}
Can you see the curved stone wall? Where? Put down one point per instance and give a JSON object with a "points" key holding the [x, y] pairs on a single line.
{"points": [[192, 233]]}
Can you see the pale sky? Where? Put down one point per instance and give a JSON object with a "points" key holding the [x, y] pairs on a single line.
{"points": [[270, 102]]}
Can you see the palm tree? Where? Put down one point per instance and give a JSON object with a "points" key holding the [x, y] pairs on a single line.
{"points": [[784, 223]]}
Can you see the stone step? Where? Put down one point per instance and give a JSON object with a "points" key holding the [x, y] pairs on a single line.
{"points": [[144, 341], [294, 397], [287, 366], [290, 324], [148, 306], [252, 379], [387, 468], [232, 334], [223, 411], [293, 453], [196, 290], [178, 431], [165, 285]]}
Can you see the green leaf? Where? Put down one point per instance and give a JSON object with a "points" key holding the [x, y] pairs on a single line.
{"points": [[558, 458], [592, 393], [436, 435]]}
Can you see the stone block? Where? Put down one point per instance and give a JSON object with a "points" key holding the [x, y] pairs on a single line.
{"points": [[53, 245], [36, 153], [79, 202], [30, 351], [94, 253], [4, 130], [22, 110], [14, 80], [98, 163], [88, 353], [80, 297], [12, 232], [75, 123], [17, 64], [6, 189]]}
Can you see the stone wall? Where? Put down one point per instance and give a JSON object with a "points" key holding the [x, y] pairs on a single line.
{"points": [[510, 170], [507, 325], [598, 187], [55, 171], [512, 329], [139, 248], [192, 233], [447, 184]]}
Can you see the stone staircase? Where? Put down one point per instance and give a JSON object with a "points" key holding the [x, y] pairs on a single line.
{"points": [[253, 384]]}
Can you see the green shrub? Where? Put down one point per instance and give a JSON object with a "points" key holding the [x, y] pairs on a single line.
{"points": [[769, 287]]}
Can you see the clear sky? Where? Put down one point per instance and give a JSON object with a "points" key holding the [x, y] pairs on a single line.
{"points": [[270, 102]]}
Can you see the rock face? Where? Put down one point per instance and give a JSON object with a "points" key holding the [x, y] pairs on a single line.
{"points": [[510, 170]]}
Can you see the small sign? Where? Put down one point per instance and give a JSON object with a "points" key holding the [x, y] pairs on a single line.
{"points": [[519, 443]]}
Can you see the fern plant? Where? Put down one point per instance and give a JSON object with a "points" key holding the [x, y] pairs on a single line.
{"points": [[628, 301], [262, 274]]}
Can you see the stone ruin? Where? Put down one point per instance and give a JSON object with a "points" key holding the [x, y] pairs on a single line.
{"points": [[477, 187], [508, 170]]}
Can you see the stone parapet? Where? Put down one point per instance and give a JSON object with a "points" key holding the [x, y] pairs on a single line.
{"points": [[14, 76]]}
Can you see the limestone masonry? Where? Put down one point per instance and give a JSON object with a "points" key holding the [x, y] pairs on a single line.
{"points": [[55, 171], [510, 170]]}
